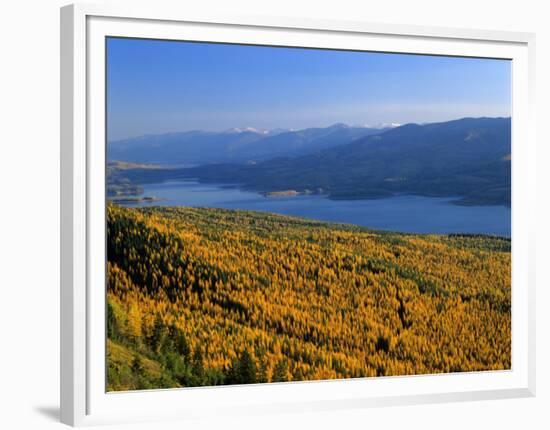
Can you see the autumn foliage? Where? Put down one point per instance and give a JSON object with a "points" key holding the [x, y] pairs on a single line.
{"points": [[212, 296]]}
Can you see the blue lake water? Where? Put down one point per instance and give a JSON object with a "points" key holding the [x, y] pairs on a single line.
{"points": [[412, 214]]}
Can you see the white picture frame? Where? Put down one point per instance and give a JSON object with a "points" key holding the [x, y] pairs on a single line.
{"points": [[83, 397]]}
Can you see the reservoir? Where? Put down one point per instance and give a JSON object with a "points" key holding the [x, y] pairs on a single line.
{"points": [[411, 214]]}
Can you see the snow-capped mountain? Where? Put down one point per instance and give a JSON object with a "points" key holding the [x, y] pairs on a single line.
{"points": [[233, 145]]}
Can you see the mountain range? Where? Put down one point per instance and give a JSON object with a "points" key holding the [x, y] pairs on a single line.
{"points": [[469, 158], [236, 145]]}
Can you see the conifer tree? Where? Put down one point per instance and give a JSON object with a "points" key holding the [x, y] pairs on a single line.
{"points": [[280, 372], [247, 368]]}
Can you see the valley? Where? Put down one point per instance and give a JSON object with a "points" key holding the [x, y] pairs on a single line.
{"points": [[469, 158]]}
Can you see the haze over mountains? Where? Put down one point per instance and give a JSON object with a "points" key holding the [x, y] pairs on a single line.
{"points": [[468, 158], [234, 145]]}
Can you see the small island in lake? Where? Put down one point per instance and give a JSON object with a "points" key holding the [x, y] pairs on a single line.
{"points": [[285, 193]]}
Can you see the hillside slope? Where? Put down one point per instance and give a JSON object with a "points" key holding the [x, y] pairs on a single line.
{"points": [[469, 158], [210, 296]]}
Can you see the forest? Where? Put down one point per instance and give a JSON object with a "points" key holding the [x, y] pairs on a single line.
{"points": [[201, 297]]}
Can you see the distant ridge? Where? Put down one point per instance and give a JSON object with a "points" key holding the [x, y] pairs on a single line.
{"points": [[468, 157], [232, 145]]}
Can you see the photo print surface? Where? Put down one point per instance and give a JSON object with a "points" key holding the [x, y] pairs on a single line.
{"points": [[285, 214]]}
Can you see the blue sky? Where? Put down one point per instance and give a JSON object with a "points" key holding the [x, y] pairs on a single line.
{"points": [[166, 86]]}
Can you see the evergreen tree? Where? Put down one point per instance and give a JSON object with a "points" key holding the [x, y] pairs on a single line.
{"points": [[262, 370], [112, 323], [280, 372], [197, 368], [137, 365], [158, 335], [242, 370], [181, 345], [247, 368]]}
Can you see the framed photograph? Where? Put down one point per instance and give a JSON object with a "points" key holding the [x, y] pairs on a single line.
{"points": [[272, 214]]}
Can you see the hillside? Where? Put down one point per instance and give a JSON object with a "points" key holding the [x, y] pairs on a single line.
{"points": [[211, 296]]}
